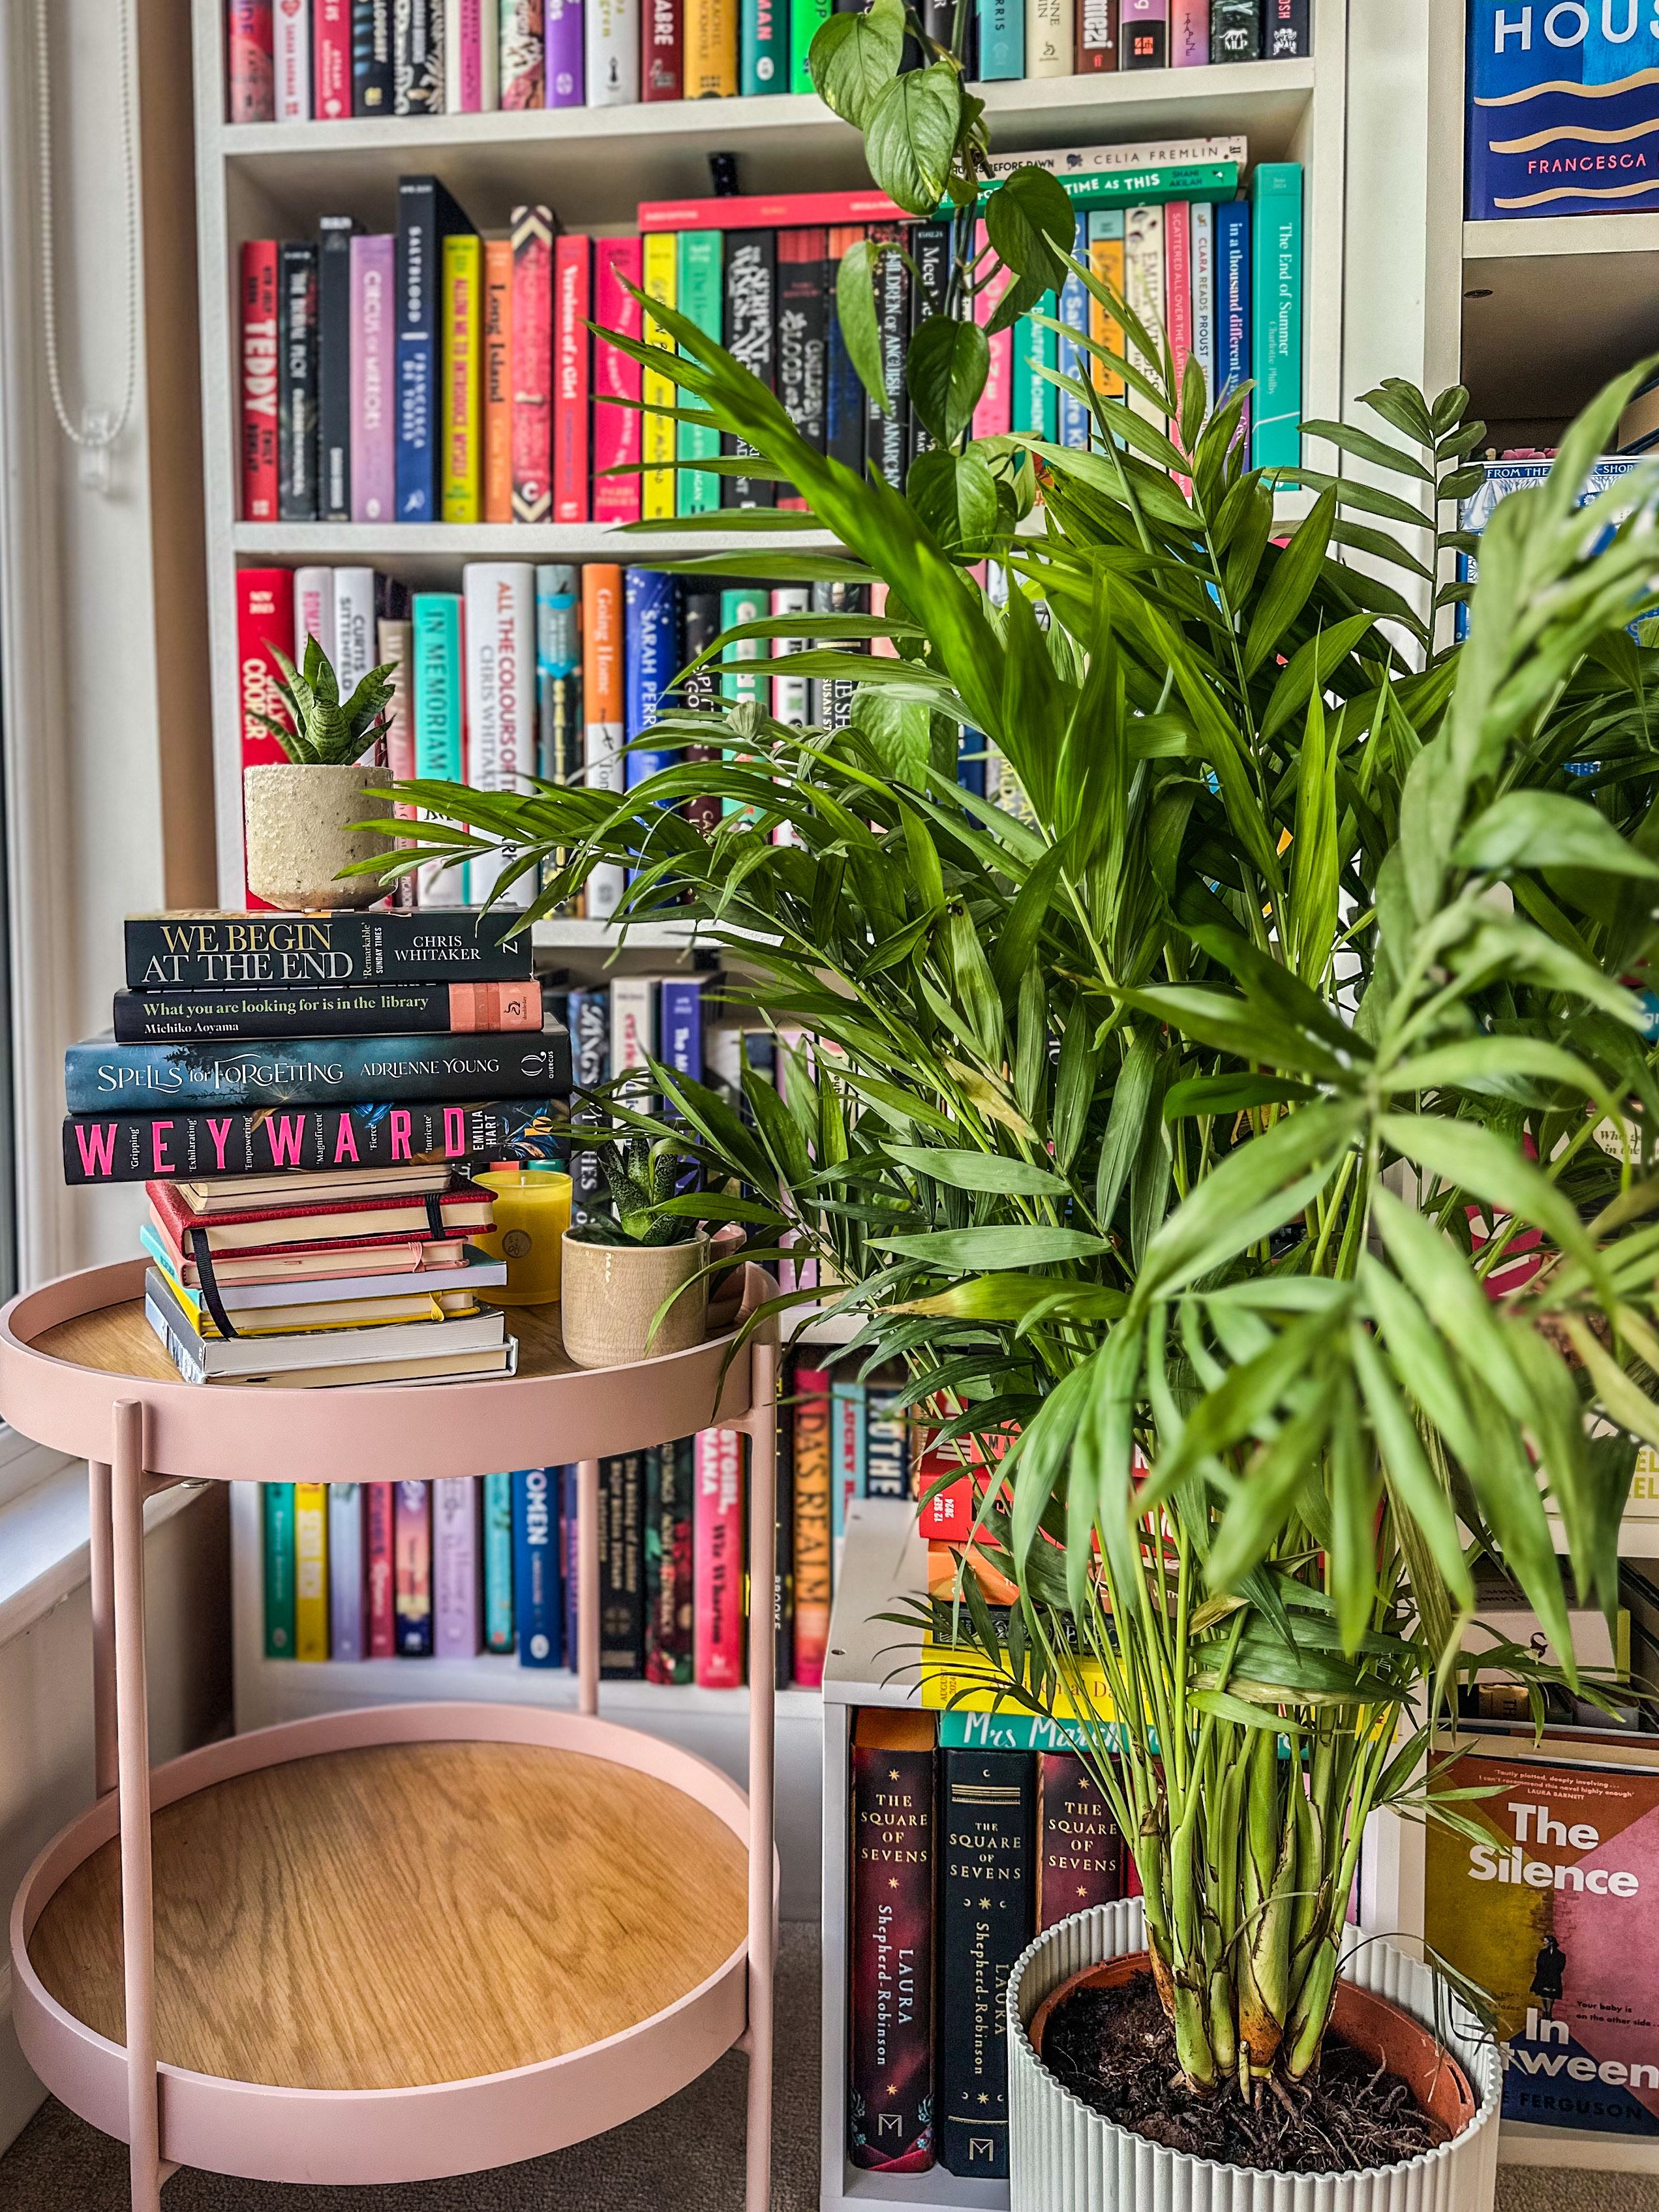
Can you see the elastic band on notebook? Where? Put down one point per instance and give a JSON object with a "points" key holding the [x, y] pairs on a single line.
{"points": [[197, 1241], [434, 1215]]}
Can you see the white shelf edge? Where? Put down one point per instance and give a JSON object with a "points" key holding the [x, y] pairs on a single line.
{"points": [[1553, 236], [497, 1677], [1582, 2150], [461, 541]]}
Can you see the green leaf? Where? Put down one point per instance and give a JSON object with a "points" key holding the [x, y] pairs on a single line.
{"points": [[897, 729], [1546, 830], [1012, 1245], [1032, 226], [854, 57], [955, 497], [855, 297], [945, 371], [1010, 1297], [1290, 583], [910, 133], [987, 1171], [1479, 1161], [1229, 1095]]}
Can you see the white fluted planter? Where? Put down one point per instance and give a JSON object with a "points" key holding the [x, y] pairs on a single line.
{"points": [[1064, 2157]]}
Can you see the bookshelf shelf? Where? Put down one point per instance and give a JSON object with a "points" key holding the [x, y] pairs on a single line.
{"points": [[417, 550], [283, 2047], [1556, 307]]}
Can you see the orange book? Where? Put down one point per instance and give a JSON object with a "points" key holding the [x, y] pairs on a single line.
{"points": [[711, 49], [602, 649], [498, 380], [1106, 262], [946, 1563]]}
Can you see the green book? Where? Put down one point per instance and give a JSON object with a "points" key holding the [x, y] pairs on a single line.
{"points": [[498, 1562], [1006, 1731], [740, 680], [763, 46], [1164, 180], [700, 285], [1037, 403], [278, 1501], [1276, 314], [805, 18]]}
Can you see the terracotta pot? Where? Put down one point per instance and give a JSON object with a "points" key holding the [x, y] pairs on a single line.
{"points": [[613, 1292], [297, 826], [1061, 2152]]}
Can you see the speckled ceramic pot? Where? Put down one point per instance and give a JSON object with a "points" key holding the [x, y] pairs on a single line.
{"points": [[610, 1294], [297, 823]]}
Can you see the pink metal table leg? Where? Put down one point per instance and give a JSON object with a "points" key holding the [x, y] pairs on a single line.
{"points": [[137, 1925], [761, 1425], [103, 1629], [587, 1586]]}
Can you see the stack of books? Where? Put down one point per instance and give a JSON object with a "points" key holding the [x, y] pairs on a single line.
{"points": [[304, 1097]]}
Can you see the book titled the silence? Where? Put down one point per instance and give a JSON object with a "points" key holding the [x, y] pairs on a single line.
{"points": [[147, 1147], [296, 1010], [194, 950]]}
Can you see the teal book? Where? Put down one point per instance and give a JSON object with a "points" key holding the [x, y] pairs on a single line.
{"points": [[1148, 187], [740, 679], [848, 1436], [434, 652], [700, 279], [1276, 314], [763, 45], [1001, 38], [1037, 403], [277, 1498], [498, 1562], [806, 17], [1009, 1730]]}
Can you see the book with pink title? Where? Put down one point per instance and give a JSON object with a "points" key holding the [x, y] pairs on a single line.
{"points": [[412, 1571], [717, 1574], [457, 1565]]}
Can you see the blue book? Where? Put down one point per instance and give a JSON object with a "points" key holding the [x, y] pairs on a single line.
{"points": [[427, 214], [1276, 314], [345, 1570], [537, 1585], [1074, 420], [847, 1451], [651, 643], [498, 1562], [970, 761], [100, 1075], [570, 1551], [1001, 38], [1035, 400], [844, 410], [886, 1443], [1232, 292], [679, 1025], [1562, 101]]}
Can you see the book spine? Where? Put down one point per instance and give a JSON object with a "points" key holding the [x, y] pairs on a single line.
{"points": [[353, 626], [1276, 320], [809, 1417], [890, 1938], [565, 69], [412, 1570], [372, 86], [1178, 289], [590, 1054], [718, 1518], [602, 707], [698, 277], [847, 1418], [711, 49], [538, 1585], [261, 358], [1288, 26], [558, 672], [526, 460], [418, 58], [456, 1567], [311, 1599], [702, 626], [264, 618], [418, 275], [297, 391], [783, 1577], [751, 291], [668, 1556], [435, 647], [499, 629], [994, 417], [523, 51], [345, 1572], [618, 264], [1144, 32], [1144, 283], [1235, 30], [463, 56], [380, 1550], [1203, 294], [888, 432], [930, 252], [496, 379], [743, 659], [313, 610], [886, 1445], [652, 658], [573, 260], [612, 54], [659, 266], [372, 438], [331, 59], [1035, 399], [844, 405], [1001, 26], [832, 697], [790, 694], [621, 1567], [250, 66], [1072, 413], [802, 339], [568, 1488], [662, 69], [1079, 1846], [184, 1146], [1048, 37], [291, 63], [277, 1499], [498, 1628], [1232, 292], [763, 46], [633, 1030], [1189, 33], [1108, 259], [807, 19], [463, 283], [774, 211], [987, 1814], [1096, 33]]}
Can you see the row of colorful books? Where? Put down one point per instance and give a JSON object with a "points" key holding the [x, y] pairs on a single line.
{"points": [[432, 374], [327, 60]]}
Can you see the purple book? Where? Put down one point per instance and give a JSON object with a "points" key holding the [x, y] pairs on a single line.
{"points": [[456, 1561], [345, 1572], [566, 80], [374, 494], [568, 1534]]}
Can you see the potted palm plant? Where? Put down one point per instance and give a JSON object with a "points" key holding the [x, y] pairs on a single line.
{"points": [[1173, 1112], [301, 815]]}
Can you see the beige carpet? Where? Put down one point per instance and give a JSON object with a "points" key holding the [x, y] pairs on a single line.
{"points": [[687, 2156]]}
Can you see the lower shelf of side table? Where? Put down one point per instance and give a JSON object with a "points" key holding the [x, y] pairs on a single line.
{"points": [[403, 1943]]}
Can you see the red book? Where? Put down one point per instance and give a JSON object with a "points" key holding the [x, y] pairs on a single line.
{"points": [[246, 1230], [809, 1461], [533, 412], [776, 211], [250, 71], [1097, 36], [264, 618], [377, 1561], [994, 417], [573, 278], [617, 263], [1079, 1846], [889, 1940], [411, 1575], [331, 59], [717, 1567], [498, 408], [661, 63], [259, 382]]}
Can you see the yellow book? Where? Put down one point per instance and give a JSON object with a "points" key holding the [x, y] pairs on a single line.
{"points": [[463, 378], [961, 1680], [657, 440], [1106, 261], [711, 49], [310, 1570]]}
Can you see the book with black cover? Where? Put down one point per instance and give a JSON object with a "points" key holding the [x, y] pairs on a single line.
{"points": [[830, 698], [622, 1566], [370, 57], [334, 368], [1288, 29], [202, 949], [142, 1147], [803, 330], [345, 1010], [887, 429], [890, 1942], [930, 249], [589, 1015], [701, 692], [1235, 30], [752, 285], [986, 1907], [296, 390], [1080, 1846], [427, 214], [418, 58], [667, 1541]]}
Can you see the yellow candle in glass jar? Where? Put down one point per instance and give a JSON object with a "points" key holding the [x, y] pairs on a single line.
{"points": [[532, 1211]]}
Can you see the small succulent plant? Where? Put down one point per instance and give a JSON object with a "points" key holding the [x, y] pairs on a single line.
{"points": [[321, 732], [640, 1177]]}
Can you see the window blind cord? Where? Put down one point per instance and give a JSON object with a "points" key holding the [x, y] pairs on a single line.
{"points": [[98, 430]]}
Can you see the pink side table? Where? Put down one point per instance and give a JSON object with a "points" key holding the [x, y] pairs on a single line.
{"points": [[295, 1980]]}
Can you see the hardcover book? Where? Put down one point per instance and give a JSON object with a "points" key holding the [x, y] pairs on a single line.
{"points": [[844, 397], [412, 1570], [372, 79], [1079, 1846], [1048, 33], [496, 381], [427, 214], [1276, 313], [565, 69], [890, 1938], [276, 1529], [572, 347], [310, 1570], [498, 1631], [986, 1817], [1144, 32], [699, 290], [457, 1568], [354, 598], [811, 1459], [313, 610], [803, 330], [763, 46], [1235, 30], [418, 57], [718, 1580], [500, 630], [1001, 26], [373, 450], [379, 1545], [887, 1441], [291, 34], [660, 280], [296, 398], [260, 264], [522, 85], [200, 949], [462, 377], [589, 1017], [1233, 308], [651, 614], [602, 708], [538, 1585], [1189, 33], [249, 65], [847, 1418], [617, 270], [622, 1566], [612, 41], [669, 1479], [331, 59], [346, 1635], [887, 432], [711, 49], [364, 1010], [143, 1147], [769, 211], [436, 651], [531, 401], [558, 672], [1562, 106], [661, 73], [1288, 26], [807, 19]]}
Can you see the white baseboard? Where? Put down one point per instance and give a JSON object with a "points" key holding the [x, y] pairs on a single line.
{"points": [[21, 2095]]}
